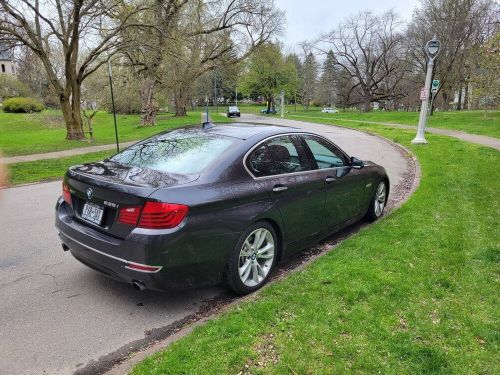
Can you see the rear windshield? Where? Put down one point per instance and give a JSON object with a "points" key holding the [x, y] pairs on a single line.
{"points": [[233, 108], [181, 152]]}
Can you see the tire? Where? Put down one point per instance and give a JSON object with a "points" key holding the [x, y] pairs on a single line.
{"points": [[378, 202], [247, 271]]}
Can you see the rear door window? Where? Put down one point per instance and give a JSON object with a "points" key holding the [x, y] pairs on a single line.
{"points": [[279, 155]]}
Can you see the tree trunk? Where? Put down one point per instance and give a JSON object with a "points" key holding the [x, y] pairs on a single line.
{"points": [[459, 104], [149, 106], [72, 119], [445, 99], [466, 94], [180, 100], [367, 105]]}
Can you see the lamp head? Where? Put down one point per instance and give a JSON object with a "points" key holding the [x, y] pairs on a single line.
{"points": [[432, 48]]}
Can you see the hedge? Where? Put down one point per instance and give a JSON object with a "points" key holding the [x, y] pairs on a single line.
{"points": [[22, 105]]}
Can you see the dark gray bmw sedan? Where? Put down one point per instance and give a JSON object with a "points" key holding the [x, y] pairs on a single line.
{"points": [[217, 204]]}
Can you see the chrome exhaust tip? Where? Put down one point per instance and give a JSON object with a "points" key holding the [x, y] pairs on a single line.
{"points": [[138, 285]]}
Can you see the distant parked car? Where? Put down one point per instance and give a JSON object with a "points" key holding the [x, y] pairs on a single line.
{"points": [[233, 112], [329, 110], [268, 111]]}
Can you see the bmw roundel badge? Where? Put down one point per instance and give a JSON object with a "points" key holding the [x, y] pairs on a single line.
{"points": [[90, 193]]}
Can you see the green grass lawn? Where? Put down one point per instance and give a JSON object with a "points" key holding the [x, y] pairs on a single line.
{"points": [[474, 122], [415, 293], [22, 134], [49, 169]]}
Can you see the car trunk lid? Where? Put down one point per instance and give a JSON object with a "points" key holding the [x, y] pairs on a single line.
{"points": [[99, 190]]}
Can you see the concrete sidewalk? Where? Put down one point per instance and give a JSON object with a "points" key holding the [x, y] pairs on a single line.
{"points": [[482, 140], [64, 153]]}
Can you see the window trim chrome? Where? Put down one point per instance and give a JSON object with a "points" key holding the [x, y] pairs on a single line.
{"points": [[245, 157]]}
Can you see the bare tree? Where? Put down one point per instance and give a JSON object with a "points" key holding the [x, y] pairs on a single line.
{"points": [[461, 26], [368, 49], [70, 38], [145, 51], [195, 37]]}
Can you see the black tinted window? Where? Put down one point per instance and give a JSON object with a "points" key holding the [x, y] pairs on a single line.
{"points": [[325, 154], [182, 152], [279, 155], [261, 162]]}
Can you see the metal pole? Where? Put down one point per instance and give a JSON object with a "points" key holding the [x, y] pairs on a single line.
{"points": [[420, 137], [215, 93], [295, 97], [113, 104], [206, 101], [236, 96], [282, 104]]}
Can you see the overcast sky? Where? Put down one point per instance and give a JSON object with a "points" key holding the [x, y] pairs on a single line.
{"points": [[306, 19]]}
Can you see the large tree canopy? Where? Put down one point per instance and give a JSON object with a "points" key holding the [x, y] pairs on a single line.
{"points": [[268, 74]]}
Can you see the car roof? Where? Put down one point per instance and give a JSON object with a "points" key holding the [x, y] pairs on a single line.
{"points": [[245, 131]]}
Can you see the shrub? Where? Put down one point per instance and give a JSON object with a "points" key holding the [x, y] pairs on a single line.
{"points": [[22, 105]]}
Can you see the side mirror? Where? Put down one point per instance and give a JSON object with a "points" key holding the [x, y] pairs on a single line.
{"points": [[356, 163]]}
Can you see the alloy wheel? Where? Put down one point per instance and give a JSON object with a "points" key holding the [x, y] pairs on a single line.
{"points": [[380, 198], [256, 257]]}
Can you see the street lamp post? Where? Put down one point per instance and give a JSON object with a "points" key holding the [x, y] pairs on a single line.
{"points": [[282, 103], [113, 103], [432, 49]]}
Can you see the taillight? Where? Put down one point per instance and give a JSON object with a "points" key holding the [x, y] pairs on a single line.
{"points": [[129, 215], [154, 215], [66, 194], [159, 215]]}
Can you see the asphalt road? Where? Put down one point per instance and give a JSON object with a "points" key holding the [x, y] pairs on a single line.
{"points": [[57, 315]]}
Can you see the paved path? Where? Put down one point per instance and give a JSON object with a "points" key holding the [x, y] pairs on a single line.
{"points": [[482, 140], [64, 153], [57, 315]]}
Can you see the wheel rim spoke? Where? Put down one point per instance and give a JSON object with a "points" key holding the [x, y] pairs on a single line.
{"points": [[245, 270], [255, 273], [379, 202]]}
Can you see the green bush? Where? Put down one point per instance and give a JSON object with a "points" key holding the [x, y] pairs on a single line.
{"points": [[22, 105]]}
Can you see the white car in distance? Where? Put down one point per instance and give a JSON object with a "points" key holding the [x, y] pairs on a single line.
{"points": [[329, 110]]}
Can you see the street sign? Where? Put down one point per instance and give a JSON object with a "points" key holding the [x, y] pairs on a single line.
{"points": [[435, 86], [424, 95]]}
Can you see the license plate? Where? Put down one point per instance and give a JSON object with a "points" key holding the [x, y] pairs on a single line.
{"points": [[93, 213]]}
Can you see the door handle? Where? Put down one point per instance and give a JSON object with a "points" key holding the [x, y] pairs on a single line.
{"points": [[329, 179], [279, 188]]}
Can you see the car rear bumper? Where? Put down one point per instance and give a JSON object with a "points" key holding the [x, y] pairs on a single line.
{"points": [[178, 267]]}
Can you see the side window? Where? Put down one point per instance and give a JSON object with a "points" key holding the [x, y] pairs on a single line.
{"points": [[260, 162], [279, 155], [325, 154], [288, 154]]}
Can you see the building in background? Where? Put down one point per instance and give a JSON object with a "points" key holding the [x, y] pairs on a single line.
{"points": [[7, 65]]}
